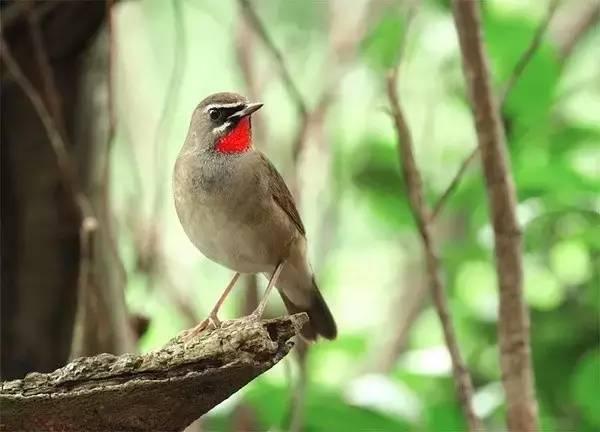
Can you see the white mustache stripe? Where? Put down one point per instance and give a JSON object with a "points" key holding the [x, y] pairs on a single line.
{"points": [[224, 105], [222, 128]]}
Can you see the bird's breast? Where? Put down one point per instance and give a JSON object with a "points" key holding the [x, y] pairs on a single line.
{"points": [[227, 215]]}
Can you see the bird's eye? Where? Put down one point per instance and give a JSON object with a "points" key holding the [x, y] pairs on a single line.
{"points": [[214, 114]]}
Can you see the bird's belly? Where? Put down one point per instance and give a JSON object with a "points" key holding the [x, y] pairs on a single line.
{"points": [[229, 241]]}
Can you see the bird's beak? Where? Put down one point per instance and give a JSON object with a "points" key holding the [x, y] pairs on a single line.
{"points": [[246, 111]]}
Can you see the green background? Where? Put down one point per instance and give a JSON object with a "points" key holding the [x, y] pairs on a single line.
{"points": [[362, 239]]}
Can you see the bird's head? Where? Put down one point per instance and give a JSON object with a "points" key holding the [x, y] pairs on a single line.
{"points": [[221, 122]]}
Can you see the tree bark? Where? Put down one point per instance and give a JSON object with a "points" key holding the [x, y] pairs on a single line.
{"points": [[40, 232], [163, 390], [513, 321]]}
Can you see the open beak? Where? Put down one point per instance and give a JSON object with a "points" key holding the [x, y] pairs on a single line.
{"points": [[246, 111]]}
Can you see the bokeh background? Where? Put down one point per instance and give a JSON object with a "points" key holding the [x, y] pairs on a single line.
{"points": [[389, 369]]}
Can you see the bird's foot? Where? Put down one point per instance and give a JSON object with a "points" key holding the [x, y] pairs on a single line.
{"points": [[189, 334], [257, 314]]}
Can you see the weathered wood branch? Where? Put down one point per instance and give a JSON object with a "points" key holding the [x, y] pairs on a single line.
{"points": [[162, 390]]}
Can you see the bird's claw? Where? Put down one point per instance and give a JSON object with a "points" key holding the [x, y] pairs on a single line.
{"points": [[212, 321], [256, 315]]}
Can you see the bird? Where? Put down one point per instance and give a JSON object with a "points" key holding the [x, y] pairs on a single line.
{"points": [[237, 210]]}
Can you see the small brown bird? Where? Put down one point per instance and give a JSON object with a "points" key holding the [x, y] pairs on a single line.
{"points": [[237, 210]]}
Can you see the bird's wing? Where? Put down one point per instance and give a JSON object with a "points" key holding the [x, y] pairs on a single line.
{"points": [[282, 195]]}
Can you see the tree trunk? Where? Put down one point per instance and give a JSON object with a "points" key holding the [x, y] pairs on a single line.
{"points": [[40, 230]]}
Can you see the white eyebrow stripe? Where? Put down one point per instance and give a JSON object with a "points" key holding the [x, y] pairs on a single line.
{"points": [[224, 105], [221, 128]]}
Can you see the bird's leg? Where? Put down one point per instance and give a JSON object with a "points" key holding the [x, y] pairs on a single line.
{"points": [[258, 312], [212, 317]]}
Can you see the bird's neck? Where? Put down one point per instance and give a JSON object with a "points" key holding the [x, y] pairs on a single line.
{"points": [[238, 140]]}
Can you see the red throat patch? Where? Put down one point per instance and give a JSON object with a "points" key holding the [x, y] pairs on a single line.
{"points": [[237, 140]]}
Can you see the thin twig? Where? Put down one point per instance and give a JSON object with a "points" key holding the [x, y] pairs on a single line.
{"points": [[14, 11], [513, 320], [586, 17], [314, 117], [341, 52], [412, 180], [47, 73], [65, 166], [517, 72], [87, 249], [528, 54], [260, 28], [441, 202]]}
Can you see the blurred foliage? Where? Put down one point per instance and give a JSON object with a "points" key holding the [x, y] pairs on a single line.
{"points": [[380, 46], [554, 149]]}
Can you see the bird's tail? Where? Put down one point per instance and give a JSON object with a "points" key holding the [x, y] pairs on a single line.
{"points": [[321, 322]]}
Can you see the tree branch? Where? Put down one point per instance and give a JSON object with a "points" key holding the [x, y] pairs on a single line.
{"points": [[412, 180], [15, 11], [290, 85], [47, 74], [528, 54], [512, 80], [63, 160], [513, 321], [583, 19], [163, 390], [84, 328], [441, 202]]}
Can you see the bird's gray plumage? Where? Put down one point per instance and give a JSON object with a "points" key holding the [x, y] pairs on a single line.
{"points": [[237, 210]]}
